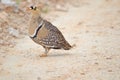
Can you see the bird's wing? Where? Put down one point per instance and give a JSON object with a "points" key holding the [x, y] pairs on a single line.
{"points": [[54, 32], [55, 37]]}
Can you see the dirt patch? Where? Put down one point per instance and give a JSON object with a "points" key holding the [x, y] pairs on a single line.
{"points": [[92, 25]]}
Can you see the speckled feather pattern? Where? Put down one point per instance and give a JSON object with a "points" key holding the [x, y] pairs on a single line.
{"points": [[53, 39]]}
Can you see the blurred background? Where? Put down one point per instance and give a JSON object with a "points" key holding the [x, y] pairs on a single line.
{"points": [[93, 25], [14, 18]]}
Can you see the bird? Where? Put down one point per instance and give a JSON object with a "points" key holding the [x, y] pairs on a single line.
{"points": [[45, 33]]}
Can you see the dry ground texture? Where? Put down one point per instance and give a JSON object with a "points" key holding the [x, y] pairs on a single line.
{"points": [[93, 25]]}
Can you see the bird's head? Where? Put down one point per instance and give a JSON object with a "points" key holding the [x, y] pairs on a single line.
{"points": [[33, 10]]}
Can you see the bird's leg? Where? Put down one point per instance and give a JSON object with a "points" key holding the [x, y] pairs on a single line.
{"points": [[46, 51]]}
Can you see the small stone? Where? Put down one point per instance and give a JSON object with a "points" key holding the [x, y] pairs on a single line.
{"points": [[112, 27], [109, 70], [82, 73], [1, 30], [8, 2], [96, 63], [38, 78], [61, 8], [108, 58], [13, 32]]}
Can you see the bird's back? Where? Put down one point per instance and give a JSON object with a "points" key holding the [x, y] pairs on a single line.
{"points": [[55, 39]]}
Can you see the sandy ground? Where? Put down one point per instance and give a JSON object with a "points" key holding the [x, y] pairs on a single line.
{"points": [[94, 27]]}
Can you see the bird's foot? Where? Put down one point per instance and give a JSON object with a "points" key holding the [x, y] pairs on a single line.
{"points": [[43, 55]]}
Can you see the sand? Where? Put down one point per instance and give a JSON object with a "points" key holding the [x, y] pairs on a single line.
{"points": [[94, 27]]}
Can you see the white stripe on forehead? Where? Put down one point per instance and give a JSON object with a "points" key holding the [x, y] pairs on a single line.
{"points": [[37, 29]]}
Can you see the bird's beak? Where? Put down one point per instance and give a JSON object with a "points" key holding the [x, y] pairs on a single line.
{"points": [[28, 9]]}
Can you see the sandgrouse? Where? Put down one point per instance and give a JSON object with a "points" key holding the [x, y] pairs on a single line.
{"points": [[44, 33]]}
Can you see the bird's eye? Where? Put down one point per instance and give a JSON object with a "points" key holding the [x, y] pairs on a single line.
{"points": [[33, 7]]}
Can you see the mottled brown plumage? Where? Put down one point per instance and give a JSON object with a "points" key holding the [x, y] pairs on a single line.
{"points": [[44, 33]]}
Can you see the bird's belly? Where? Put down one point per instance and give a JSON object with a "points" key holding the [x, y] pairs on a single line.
{"points": [[38, 41]]}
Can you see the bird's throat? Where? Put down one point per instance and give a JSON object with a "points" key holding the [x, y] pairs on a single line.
{"points": [[35, 25]]}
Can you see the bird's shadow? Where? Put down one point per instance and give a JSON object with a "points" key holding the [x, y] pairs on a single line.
{"points": [[59, 55]]}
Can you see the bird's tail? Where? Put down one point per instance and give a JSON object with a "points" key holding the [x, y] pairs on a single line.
{"points": [[74, 45], [67, 46]]}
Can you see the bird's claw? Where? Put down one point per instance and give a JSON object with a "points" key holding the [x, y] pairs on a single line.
{"points": [[43, 55]]}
